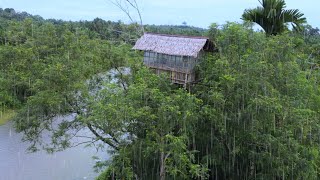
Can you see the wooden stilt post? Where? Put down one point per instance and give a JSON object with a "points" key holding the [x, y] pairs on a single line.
{"points": [[185, 81]]}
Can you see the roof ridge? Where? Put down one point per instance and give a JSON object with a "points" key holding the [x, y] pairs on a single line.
{"points": [[176, 35]]}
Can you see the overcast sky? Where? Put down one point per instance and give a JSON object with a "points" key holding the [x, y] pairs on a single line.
{"points": [[199, 13]]}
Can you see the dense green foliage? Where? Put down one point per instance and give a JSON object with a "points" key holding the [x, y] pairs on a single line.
{"points": [[273, 18], [254, 114], [262, 101], [25, 38]]}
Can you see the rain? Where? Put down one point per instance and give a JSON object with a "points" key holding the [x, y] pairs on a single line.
{"points": [[112, 100]]}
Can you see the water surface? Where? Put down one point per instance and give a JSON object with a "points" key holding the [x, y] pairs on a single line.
{"points": [[15, 164]]}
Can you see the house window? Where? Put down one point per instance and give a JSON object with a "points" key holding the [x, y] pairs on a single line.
{"points": [[152, 56], [163, 58], [146, 54], [178, 60], [185, 59]]}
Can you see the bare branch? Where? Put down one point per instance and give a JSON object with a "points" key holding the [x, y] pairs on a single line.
{"points": [[136, 7], [124, 7], [121, 79], [84, 142]]}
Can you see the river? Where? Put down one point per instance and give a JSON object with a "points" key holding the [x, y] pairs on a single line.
{"points": [[72, 164], [15, 164]]}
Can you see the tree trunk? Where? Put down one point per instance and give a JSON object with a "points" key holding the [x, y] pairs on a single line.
{"points": [[162, 166]]}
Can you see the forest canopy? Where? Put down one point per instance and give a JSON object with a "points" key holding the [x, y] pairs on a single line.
{"points": [[253, 115]]}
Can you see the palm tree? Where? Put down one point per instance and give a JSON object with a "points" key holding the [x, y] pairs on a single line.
{"points": [[273, 18]]}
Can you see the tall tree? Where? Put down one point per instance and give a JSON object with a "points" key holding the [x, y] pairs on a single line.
{"points": [[273, 17]]}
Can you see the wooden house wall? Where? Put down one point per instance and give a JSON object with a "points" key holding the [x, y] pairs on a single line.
{"points": [[170, 62], [177, 77], [180, 69]]}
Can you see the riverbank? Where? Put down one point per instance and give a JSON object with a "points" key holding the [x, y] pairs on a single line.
{"points": [[6, 116]]}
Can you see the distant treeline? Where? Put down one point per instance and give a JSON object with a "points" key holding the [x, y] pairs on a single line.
{"points": [[104, 29]]}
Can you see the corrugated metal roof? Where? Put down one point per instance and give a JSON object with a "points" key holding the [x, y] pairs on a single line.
{"points": [[171, 44]]}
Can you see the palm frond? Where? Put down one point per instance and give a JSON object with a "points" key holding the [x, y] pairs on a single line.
{"points": [[255, 15], [272, 17], [294, 17]]}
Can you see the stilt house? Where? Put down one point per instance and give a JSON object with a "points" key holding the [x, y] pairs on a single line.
{"points": [[175, 55]]}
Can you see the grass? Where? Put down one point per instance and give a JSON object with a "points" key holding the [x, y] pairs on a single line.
{"points": [[6, 116]]}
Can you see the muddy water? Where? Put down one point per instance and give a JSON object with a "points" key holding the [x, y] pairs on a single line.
{"points": [[15, 164]]}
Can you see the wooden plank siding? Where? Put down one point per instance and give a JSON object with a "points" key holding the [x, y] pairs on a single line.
{"points": [[176, 77], [180, 69]]}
